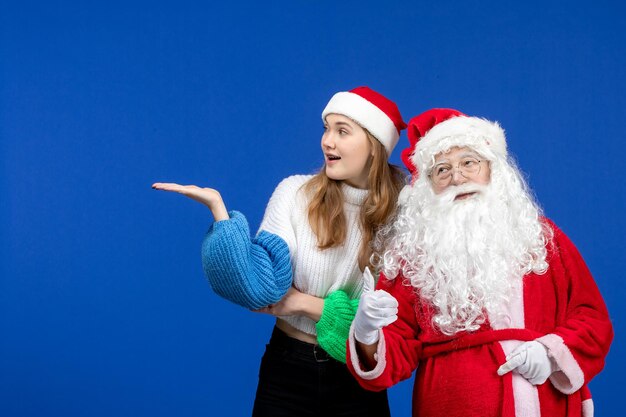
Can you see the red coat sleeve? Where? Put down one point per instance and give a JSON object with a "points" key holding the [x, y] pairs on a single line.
{"points": [[399, 349], [583, 335]]}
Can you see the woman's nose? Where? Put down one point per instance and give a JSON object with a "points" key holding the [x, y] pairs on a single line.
{"points": [[328, 141]]}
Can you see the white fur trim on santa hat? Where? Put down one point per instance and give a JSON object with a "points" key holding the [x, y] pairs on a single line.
{"points": [[479, 134], [367, 115]]}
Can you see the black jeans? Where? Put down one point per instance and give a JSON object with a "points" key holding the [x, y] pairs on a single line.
{"points": [[300, 379]]}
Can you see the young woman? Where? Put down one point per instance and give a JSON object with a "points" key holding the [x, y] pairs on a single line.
{"points": [[305, 264]]}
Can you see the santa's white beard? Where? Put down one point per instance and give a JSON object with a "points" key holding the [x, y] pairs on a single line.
{"points": [[464, 256]]}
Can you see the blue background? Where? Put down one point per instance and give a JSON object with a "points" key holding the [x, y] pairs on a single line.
{"points": [[104, 309]]}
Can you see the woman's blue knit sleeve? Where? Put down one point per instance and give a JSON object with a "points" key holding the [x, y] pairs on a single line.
{"points": [[250, 272]]}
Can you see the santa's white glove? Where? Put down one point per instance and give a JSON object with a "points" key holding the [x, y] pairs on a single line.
{"points": [[531, 361], [377, 309]]}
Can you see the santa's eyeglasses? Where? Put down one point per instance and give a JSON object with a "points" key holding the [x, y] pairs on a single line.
{"points": [[441, 174]]}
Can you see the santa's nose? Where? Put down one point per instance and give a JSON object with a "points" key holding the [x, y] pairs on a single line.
{"points": [[457, 177]]}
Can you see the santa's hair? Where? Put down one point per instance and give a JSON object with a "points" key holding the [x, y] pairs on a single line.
{"points": [[501, 251]]}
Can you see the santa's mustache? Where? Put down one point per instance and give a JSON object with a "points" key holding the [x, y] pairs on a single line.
{"points": [[453, 191]]}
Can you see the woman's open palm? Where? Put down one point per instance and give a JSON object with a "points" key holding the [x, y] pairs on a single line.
{"points": [[207, 196]]}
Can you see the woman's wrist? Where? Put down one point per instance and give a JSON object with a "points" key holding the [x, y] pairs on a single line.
{"points": [[311, 306], [218, 209]]}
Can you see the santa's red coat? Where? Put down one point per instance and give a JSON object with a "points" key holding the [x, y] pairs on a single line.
{"points": [[456, 375]]}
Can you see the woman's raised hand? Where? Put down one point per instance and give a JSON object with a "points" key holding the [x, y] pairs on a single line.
{"points": [[207, 196]]}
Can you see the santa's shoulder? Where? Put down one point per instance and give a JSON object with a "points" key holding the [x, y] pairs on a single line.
{"points": [[551, 227], [557, 240]]}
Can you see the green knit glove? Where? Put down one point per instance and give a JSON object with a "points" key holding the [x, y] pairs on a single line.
{"points": [[334, 325]]}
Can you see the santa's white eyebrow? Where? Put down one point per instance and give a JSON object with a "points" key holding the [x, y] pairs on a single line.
{"points": [[463, 155]]}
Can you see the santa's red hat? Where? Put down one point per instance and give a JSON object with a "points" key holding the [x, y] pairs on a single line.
{"points": [[370, 110], [437, 130]]}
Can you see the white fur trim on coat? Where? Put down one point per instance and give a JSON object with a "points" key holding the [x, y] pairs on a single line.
{"points": [[588, 408], [570, 378], [379, 355]]}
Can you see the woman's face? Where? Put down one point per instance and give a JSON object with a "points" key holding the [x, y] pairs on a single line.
{"points": [[347, 150]]}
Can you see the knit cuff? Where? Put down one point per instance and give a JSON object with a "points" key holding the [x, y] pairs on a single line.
{"points": [[250, 272], [334, 324]]}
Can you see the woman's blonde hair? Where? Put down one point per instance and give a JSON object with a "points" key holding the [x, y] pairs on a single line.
{"points": [[325, 211]]}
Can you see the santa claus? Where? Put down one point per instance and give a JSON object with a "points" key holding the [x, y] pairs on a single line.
{"points": [[488, 300]]}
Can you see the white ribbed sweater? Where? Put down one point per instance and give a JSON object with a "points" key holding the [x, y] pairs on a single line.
{"points": [[315, 272]]}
